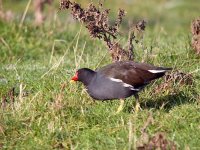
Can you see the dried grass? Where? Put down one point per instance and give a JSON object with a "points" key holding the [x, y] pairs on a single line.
{"points": [[96, 20], [39, 8], [158, 141], [195, 29], [8, 98], [5, 15], [175, 77]]}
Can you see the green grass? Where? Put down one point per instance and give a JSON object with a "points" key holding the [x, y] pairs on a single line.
{"points": [[41, 59]]}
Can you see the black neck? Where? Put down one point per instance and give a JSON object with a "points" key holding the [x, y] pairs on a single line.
{"points": [[86, 76]]}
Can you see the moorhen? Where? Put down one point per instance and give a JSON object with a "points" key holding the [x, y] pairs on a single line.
{"points": [[118, 80]]}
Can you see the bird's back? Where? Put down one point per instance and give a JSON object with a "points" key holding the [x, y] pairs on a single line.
{"points": [[135, 74]]}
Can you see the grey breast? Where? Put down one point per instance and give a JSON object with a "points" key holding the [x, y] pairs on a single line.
{"points": [[103, 88]]}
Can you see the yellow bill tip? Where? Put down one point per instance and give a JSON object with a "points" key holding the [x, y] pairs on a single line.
{"points": [[72, 81]]}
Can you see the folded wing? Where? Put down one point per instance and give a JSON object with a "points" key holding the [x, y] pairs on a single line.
{"points": [[131, 73]]}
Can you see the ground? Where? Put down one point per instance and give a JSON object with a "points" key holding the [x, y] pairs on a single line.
{"points": [[49, 112]]}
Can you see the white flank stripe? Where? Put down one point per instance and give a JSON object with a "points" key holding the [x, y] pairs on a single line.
{"points": [[135, 89], [157, 71], [124, 84], [115, 80], [127, 85]]}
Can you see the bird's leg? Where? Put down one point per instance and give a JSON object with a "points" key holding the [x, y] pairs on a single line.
{"points": [[120, 108], [137, 106]]}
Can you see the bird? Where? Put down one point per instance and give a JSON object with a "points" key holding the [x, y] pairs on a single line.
{"points": [[118, 80]]}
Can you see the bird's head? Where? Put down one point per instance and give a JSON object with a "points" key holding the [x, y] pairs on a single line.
{"points": [[83, 75]]}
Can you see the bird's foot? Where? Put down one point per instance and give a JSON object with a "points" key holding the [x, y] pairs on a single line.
{"points": [[120, 108], [137, 107]]}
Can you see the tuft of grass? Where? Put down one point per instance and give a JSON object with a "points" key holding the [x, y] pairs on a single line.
{"points": [[37, 62]]}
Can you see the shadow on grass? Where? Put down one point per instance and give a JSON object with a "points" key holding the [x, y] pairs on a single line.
{"points": [[165, 103], [168, 102]]}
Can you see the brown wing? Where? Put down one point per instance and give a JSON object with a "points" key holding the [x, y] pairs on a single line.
{"points": [[135, 74]]}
